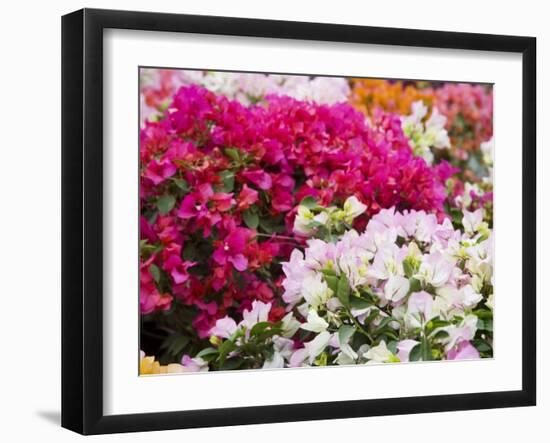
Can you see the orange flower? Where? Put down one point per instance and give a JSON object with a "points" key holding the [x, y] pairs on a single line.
{"points": [[390, 96]]}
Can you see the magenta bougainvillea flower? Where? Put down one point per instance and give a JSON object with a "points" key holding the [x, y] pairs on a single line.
{"points": [[231, 249]]}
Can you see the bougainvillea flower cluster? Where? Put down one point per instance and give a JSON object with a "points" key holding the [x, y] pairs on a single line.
{"points": [[270, 203]]}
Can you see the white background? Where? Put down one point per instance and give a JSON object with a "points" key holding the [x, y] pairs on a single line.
{"points": [[125, 393], [30, 184]]}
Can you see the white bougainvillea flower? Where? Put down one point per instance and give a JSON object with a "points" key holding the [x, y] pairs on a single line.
{"points": [[419, 224], [282, 351], [396, 288], [290, 325], [472, 221], [466, 330], [196, 364], [490, 301], [315, 290], [353, 208], [414, 120], [453, 300], [225, 327], [353, 267], [317, 345], [275, 362], [311, 350], [258, 314], [388, 261], [487, 149], [296, 272], [298, 358], [436, 134], [470, 297], [423, 137], [436, 269], [320, 254], [314, 322], [465, 200], [380, 354], [302, 222], [346, 356], [480, 261], [419, 309], [404, 348]]}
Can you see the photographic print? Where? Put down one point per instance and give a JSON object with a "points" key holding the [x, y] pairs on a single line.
{"points": [[292, 221]]}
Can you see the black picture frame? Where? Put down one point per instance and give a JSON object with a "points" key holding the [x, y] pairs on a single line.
{"points": [[82, 215]]}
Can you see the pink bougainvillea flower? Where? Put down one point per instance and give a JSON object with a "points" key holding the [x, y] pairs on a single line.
{"points": [[157, 171], [464, 350], [225, 327], [231, 249], [150, 299], [247, 197], [282, 200], [177, 268], [259, 177], [166, 229], [223, 201], [146, 230], [195, 206]]}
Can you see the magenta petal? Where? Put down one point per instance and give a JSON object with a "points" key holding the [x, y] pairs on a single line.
{"points": [[178, 276], [464, 351], [168, 169], [260, 178], [187, 208], [219, 256], [239, 261]]}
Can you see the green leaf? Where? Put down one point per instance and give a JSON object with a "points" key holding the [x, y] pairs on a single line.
{"points": [[416, 353], [232, 363], [415, 285], [251, 219], [225, 348], [260, 327], [332, 282], [232, 153], [309, 202], [410, 266], [228, 180], [359, 303], [175, 344], [329, 272], [485, 325], [343, 290], [392, 346], [372, 315], [207, 351], [407, 267], [440, 335], [271, 225], [483, 314], [182, 184], [385, 321], [345, 333], [426, 349], [208, 354], [482, 346], [155, 272], [165, 203], [435, 323]]}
